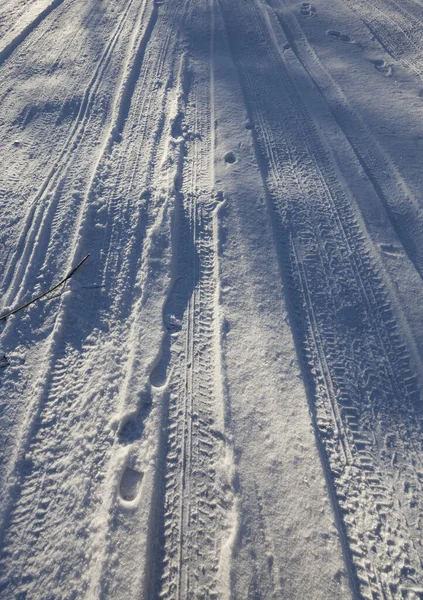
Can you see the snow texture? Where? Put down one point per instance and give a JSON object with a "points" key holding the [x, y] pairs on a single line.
{"points": [[224, 400]]}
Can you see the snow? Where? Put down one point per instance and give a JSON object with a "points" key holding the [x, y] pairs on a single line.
{"points": [[224, 399]]}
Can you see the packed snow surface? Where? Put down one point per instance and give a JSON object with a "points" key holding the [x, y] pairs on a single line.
{"points": [[223, 400]]}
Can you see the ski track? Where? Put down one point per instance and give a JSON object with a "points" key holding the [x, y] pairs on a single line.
{"points": [[116, 481]]}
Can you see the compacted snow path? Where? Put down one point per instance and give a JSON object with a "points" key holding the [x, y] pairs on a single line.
{"points": [[224, 400]]}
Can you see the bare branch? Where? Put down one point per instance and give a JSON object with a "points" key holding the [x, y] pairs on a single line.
{"points": [[68, 276]]}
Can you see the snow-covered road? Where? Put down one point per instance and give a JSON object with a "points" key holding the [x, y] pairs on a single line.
{"points": [[224, 400]]}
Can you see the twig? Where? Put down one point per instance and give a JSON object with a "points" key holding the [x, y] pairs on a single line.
{"points": [[68, 276]]}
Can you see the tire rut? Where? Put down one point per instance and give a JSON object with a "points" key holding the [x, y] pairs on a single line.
{"points": [[193, 521], [357, 369]]}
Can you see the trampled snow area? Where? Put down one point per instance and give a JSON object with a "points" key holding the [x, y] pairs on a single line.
{"points": [[224, 400]]}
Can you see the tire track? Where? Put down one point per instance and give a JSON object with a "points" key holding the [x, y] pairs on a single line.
{"points": [[136, 178], [369, 154], [397, 28], [193, 520], [42, 104], [45, 202], [42, 382], [11, 13], [401, 206], [42, 385], [358, 374], [145, 122], [10, 46], [192, 503]]}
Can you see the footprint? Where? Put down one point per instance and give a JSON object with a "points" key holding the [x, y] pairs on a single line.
{"points": [[146, 195], [130, 484], [337, 34], [230, 158], [382, 66], [132, 425], [176, 127], [307, 9], [159, 373], [129, 431]]}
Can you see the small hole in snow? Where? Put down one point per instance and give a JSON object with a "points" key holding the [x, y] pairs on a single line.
{"points": [[230, 157]]}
